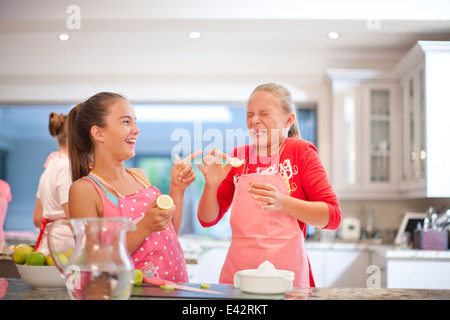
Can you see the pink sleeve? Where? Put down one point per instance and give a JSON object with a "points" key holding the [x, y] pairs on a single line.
{"points": [[5, 191]]}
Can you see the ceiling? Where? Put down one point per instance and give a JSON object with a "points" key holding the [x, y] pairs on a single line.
{"points": [[243, 41]]}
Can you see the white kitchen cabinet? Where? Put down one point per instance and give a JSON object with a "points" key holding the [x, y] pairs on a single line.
{"points": [[424, 143], [346, 269], [208, 267], [365, 143], [390, 135], [317, 263], [380, 133], [412, 273], [338, 265]]}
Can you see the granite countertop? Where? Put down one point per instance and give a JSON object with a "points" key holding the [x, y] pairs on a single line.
{"points": [[16, 289]]}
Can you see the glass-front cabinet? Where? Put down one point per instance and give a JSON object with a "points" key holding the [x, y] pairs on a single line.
{"points": [[379, 138], [413, 133], [390, 135], [380, 103], [364, 136]]}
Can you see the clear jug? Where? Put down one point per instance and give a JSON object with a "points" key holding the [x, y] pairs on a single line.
{"points": [[100, 266]]}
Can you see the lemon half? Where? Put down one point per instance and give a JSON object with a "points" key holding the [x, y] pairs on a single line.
{"points": [[236, 162], [164, 202]]}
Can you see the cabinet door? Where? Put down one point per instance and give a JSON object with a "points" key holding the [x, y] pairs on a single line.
{"points": [[346, 138], [413, 131], [317, 261], [380, 132], [346, 269]]}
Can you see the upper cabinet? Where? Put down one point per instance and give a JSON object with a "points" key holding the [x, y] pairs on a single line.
{"points": [[364, 134], [391, 136], [424, 102], [413, 144]]}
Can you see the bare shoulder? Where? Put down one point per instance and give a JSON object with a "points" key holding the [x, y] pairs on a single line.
{"points": [[82, 187], [84, 200]]}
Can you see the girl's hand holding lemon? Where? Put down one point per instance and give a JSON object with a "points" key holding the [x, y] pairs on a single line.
{"points": [[157, 219]]}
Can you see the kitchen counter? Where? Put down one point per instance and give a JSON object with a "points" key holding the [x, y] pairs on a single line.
{"points": [[16, 289], [389, 251]]}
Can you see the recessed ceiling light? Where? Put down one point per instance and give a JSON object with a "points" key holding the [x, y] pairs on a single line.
{"points": [[195, 35], [333, 35], [63, 36]]}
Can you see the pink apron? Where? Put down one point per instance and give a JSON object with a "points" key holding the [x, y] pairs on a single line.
{"points": [[160, 255], [260, 235]]}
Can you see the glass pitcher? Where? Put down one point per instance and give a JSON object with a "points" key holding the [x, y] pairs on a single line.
{"points": [[100, 266]]}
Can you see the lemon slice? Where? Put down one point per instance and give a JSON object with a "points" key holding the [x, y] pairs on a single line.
{"points": [[164, 202], [235, 162], [205, 285]]}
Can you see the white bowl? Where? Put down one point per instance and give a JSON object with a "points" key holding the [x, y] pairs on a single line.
{"points": [[42, 277], [250, 281]]}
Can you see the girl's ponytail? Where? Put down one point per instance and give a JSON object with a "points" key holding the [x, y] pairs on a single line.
{"points": [[57, 126], [80, 153]]}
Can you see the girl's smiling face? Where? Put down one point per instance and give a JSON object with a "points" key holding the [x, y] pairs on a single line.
{"points": [[121, 131], [268, 125]]}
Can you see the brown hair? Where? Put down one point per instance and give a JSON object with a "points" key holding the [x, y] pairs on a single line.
{"points": [[57, 125], [285, 100], [81, 118]]}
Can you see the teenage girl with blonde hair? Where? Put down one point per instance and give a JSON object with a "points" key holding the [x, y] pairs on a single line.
{"points": [[280, 189]]}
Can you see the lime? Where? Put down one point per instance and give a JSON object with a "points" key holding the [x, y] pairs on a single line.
{"points": [[21, 253], [164, 202], [36, 259], [138, 277], [167, 287]]}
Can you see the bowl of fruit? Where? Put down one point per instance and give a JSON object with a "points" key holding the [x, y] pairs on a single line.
{"points": [[37, 269]]}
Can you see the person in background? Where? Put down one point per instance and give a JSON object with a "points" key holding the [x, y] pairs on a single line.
{"points": [[52, 196], [102, 135], [5, 198], [280, 189]]}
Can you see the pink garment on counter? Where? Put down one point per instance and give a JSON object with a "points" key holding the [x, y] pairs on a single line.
{"points": [[5, 198]]}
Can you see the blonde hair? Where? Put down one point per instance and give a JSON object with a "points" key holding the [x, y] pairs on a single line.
{"points": [[57, 126], [81, 118], [286, 102]]}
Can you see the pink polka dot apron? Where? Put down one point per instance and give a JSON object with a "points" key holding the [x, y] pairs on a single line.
{"points": [[260, 235], [160, 254]]}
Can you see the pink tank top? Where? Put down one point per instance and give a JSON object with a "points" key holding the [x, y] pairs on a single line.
{"points": [[160, 254]]}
